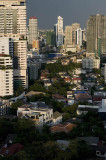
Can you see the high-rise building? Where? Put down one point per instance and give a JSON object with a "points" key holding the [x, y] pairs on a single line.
{"points": [[75, 26], [96, 34], [33, 30], [6, 75], [13, 26], [59, 31], [51, 38], [68, 35], [79, 36]]}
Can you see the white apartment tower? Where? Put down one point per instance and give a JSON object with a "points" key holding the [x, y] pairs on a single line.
{"points": [[33, 30], [6, 75], [59, 32], [79, 36], [13, 26]]}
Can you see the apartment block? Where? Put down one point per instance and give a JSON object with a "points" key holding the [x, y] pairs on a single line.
{"points": [[33, 30], [6, 75], [13, 26], [96, 34], [90, 63]]}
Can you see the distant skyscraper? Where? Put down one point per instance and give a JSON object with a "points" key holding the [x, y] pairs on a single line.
{"points": [[79, 36], [13, 25], [96, 34], [68, 35], [51, 38], [75, 26], [59, 31], [33, 30]]}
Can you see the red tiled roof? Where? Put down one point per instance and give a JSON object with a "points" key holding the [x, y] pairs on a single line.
{"points": [[62, 128], [67, 79], [9, 151], [98, 98], [33, 18], [58, 96], [76, 79]]}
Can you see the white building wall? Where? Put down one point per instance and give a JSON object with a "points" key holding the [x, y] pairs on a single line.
{"points": [[91, 63], [79, 36], [13, 25], [33, 29], [6, 76], [60, 31]]}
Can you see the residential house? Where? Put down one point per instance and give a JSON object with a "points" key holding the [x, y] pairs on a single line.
{"points": [[59, 98], [47, 83], [4, 107], [81, 96], [39, 113], [57, 118], [9, 150], [67, 80], [76, 80], [83, 109], [66, 127]]}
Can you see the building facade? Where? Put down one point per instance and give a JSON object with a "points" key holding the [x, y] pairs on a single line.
{"points": [[96, 34], [13, 26], [90, 63], [33, 30], [68, 35], [59, 31], [75, 26], [6, 75], [79, 36]]}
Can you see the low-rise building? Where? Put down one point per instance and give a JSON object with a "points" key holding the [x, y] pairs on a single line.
{"points": [[66, 127], [76, 80], [59, 98], [90, 63], [4, 107], [47, 83], [39, 113], [83, 109], [57, 118]]}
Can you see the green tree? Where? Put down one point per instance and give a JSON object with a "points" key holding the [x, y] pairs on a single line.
{"points": [[14, 107]]}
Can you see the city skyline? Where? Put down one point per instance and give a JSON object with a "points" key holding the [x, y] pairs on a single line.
{"points": [[72, 11]]}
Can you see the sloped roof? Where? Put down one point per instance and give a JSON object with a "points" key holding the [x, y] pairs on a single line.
{"points": [[67, 127], [56, 115]]}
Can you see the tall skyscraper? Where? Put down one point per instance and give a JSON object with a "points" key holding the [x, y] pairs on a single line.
{"points": [[96, 34], [75, 26], [13, 25], [68, 35], [79, 36], [33, 30], [59, 31]]}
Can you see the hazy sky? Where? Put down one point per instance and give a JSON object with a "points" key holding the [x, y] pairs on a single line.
{"points": [[71, 10]]}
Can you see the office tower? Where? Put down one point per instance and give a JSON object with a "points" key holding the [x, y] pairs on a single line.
{"points": [[75, 26], [51, 38], [96, 34], [84, 35], [79, 36], [6, 75], [55, 30], [68, 35], [104, 73], [13, 25], [33, 30], [35, 44], [59, 31], [32, 70]]}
